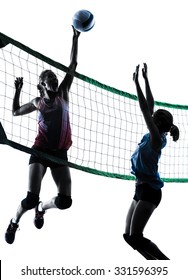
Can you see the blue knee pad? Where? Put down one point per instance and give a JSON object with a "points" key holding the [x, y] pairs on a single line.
{"points": [[30, 201], [63, 201]]}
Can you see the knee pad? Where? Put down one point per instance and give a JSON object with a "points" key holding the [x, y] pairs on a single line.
{"points": [[63, 201], [30, 201]]}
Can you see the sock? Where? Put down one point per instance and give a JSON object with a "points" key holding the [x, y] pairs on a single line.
{"points": [[40, 207], [14, 221]]}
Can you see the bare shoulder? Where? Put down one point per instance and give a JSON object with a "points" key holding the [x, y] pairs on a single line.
{"points": [[35, 101]]}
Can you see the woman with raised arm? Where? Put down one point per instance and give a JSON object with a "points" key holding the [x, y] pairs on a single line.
{"points": [[54, 138], [145, 168]]}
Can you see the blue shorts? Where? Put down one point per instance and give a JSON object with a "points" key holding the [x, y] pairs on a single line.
{"points": [[146, 193], [61, 154]]}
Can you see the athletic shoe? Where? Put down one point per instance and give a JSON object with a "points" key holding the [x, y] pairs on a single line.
{"points": [[10, 233], [39, 217]]}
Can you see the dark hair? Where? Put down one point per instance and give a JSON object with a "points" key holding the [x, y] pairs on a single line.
{"points": [[164, 121], [44, 74]]}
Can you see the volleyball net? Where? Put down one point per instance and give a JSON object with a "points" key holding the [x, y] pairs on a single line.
{"points": [[107, 123]]}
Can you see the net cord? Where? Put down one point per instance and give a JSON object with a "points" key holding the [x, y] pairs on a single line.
{"points": [[5, 40]]}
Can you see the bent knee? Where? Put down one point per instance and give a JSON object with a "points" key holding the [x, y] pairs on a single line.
{"points": [[137, 241], [63, 201], [30, 201]]}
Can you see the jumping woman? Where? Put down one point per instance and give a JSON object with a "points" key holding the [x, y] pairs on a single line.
{"points": [[54, 138], [145, 168]]}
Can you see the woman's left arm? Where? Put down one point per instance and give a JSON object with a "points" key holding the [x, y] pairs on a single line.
{"points": [[154, 132], [67, 81], [17, 109], [149, 96]]}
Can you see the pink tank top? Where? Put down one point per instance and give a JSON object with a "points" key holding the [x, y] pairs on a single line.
{"points": [[54, 131]]}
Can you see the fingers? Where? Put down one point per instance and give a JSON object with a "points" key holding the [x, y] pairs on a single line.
{"points": [[76, 32], [18, 83], [137, 69], [145, 66], [144, 70], [135, 74], [19, 80]]}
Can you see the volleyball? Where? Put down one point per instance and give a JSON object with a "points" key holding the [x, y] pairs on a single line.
{"points": [[83, 21]]}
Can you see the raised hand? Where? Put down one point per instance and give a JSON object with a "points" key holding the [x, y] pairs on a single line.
{"points": [[135, 74], [76, 32], [145, 71], [18, 83]]}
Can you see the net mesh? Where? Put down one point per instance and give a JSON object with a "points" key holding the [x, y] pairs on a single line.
{"points": [[106, 123]]}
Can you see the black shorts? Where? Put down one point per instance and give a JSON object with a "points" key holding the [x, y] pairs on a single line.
{"points": [[61, 154], [146, 193]]}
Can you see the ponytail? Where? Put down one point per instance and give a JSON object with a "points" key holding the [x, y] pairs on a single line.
{"points": [[174, 132]]}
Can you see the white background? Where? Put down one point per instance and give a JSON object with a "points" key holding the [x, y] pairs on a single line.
{"points": [[127, 32]]}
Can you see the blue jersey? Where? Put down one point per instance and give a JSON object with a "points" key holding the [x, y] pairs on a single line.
{"points": [[145, 162]]}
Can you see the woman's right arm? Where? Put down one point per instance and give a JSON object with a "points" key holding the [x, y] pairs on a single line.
{"points": [[27, 108]]}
